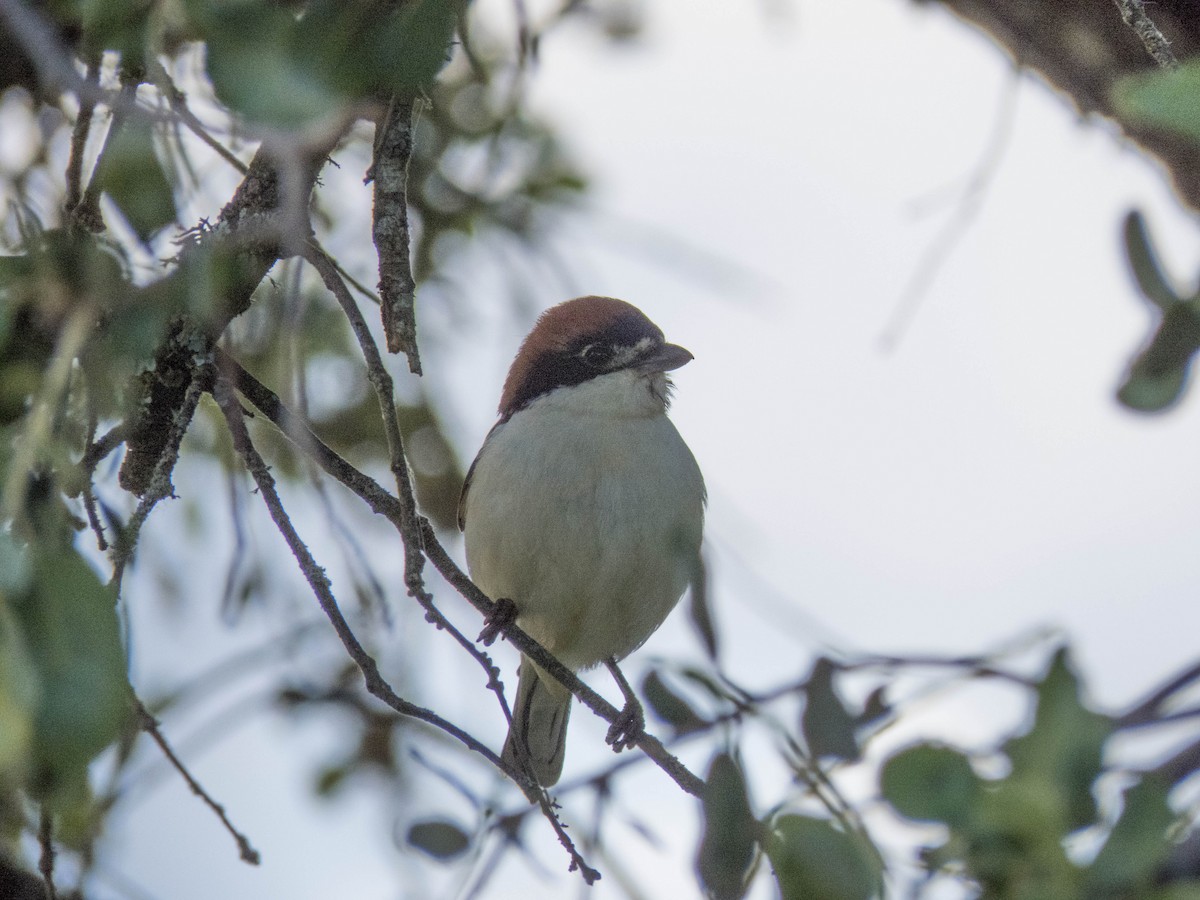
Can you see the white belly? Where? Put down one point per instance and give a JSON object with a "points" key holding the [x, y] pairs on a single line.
{"points": [[589, 523]]}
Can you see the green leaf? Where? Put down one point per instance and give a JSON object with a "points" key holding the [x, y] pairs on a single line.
{"points": [[828, 726], [133, 177], [1061, 753], [18, 693], [277, 68], [669, 706], [1138, 844], [1152, 393], [813, 860], [1162, 99], [416, 44], [1143, 261], [367, 47], [440, 839], [71, 629], [15, 569], [254, 65], [730, 831], [1159, 372], [931, 783], [119, 25]]}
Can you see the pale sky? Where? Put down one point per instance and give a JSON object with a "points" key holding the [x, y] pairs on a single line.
{"points": [[766, 184]]}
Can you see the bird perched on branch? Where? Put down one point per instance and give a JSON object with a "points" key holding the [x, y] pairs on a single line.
{"points": [[583, 510]]}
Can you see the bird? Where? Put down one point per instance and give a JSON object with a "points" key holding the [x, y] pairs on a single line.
{"points": [[583, 510]]}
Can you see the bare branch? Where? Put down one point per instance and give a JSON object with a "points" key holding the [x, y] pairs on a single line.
{"points": [[1133, 12], [177, 100], [381, 381], [319, 582], [86, 213], [46, 859], [149, 724], [79, 136], [389, 172], [1149, 711], [159, 486]]}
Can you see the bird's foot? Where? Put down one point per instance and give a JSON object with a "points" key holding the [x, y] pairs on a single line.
{"points": [[628, 728], [630, 725], [503, 615]]}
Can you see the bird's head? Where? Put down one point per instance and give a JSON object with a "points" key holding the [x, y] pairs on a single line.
{"points": [[583, 339]]}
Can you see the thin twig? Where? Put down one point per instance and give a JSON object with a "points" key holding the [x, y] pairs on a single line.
{"points": [[1133, 12], [957, 225], [177, 100], [319, 582], [46, 859], [374, 681], [149, 724], [100, 448], [79, 136], [1149, 711], [86, 213]]}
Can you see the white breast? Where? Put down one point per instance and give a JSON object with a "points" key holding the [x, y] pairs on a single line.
{"points": [[586, 510]]}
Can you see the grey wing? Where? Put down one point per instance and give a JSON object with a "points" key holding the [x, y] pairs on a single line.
{"points": [[462, 498]]}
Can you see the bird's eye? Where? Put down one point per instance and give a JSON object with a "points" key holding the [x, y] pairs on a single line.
{"points": [[597, 354]]}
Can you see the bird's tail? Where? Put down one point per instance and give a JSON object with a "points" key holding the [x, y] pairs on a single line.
{"points": [[537, 738]]}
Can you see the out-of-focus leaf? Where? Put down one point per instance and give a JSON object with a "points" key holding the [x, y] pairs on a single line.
{"points": [[930, 783], [365, 47], [1143, 261], [669, 706], [1152, 393], [15, 569], [281, 69], [119, 25], [440, 839], [253, 64], [875, 707], [71, 630], [730, 831], [330, 779], [1138, 844], [813, 859], [828, 727], [134, 179], [1159, 372], [1061, 754], [1162, 99], [18, 692]]}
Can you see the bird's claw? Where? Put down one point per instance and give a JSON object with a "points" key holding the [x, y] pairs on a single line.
{"points": [[628, 728], [503, 615]]}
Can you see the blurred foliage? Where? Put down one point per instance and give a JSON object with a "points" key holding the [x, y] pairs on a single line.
{"points": [[1011, 835], [1159, 372], [102, 273], [1166, 98]]}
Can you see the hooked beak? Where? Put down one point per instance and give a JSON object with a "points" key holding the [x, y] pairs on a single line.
{"points": [[664, 359]]}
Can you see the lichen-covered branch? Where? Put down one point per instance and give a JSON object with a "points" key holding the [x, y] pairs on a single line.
{"points": [[389, 172]]}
